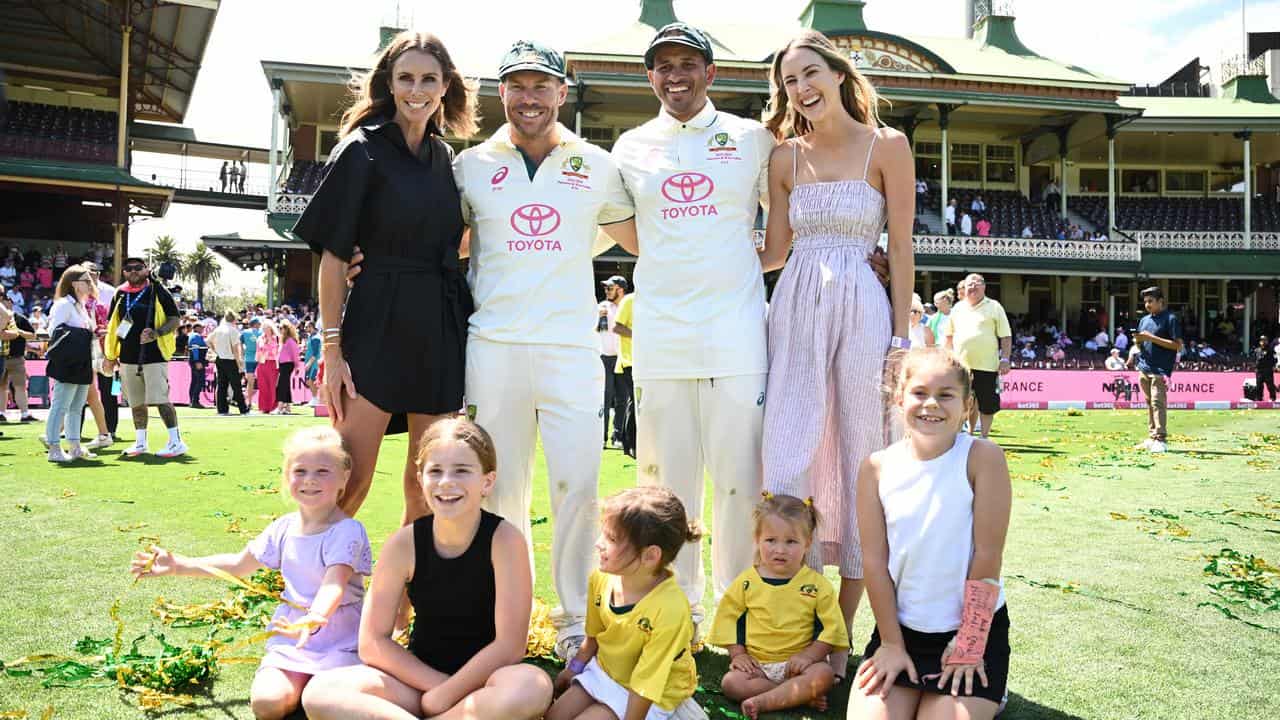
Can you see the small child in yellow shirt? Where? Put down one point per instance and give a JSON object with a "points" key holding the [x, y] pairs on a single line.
{"points": [[780, 619], [636, 663]]}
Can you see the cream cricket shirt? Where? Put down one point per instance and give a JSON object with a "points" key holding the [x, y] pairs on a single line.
{"points": [[531, 239], [700, 308]]}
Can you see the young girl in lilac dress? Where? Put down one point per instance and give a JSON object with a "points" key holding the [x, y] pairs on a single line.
{"points": [[322, 554]]}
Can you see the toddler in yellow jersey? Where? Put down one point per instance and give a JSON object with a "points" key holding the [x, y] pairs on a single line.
{"points": [[636, 663], [780, 619]]}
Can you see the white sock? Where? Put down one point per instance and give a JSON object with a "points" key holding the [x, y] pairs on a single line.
{"points": [[142, 437], [173, 435]]}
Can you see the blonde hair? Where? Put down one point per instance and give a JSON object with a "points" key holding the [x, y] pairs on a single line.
{"points": [[287, 330], [319, 437], [650, 515], [799, 513], [459, 430], [458, 113], [857, 95]]}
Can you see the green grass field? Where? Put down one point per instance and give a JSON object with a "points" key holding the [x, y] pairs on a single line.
{"points": [[1105, 568]]}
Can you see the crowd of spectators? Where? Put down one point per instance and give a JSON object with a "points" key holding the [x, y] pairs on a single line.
{"points": [[29, 275]]}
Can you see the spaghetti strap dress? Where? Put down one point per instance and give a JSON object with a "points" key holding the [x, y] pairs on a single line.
{"points": [[829, 330], [404, 327]]}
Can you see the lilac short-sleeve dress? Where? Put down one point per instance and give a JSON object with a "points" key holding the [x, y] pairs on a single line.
{"points": [[303, 560]]}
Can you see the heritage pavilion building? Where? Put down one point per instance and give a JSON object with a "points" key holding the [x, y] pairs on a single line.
{"points": [[1182, 178]]}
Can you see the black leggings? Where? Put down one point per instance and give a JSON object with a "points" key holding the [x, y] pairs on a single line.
{"points": [[284, 392]]}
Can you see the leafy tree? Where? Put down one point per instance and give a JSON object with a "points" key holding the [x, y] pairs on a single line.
{"points": [[164, 250], [203, 267]]}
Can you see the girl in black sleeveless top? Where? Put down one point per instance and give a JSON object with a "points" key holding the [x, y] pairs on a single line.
{"points": [[468, 577]]}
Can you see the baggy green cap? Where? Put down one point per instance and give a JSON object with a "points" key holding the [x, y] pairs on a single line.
{"points": [[678, 33], [527, 55]]}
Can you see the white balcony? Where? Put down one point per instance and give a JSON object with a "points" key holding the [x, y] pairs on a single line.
{"points": [[1161, 240], [1049, 249]]}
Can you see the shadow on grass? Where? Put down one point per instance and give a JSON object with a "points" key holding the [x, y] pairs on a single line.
{"points": [[1035, 449], [1021, 708], [205, 704], [1204, 452], [152, 459]]}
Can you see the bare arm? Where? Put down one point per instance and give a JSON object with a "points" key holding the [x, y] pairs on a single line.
{"points": [[992, 499], [875, 554], [332, 281], [513, 586], [624, 234], [621, 329], [777, 233], [157, 561], [637, 706], [898, 174], [377, 621]]}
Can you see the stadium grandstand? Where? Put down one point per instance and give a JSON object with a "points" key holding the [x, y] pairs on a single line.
{"points": [[85, 85], [1092, 186]]}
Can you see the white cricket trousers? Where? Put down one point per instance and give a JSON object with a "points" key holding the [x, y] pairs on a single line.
{"points": [[516, 392], [683, 426]]}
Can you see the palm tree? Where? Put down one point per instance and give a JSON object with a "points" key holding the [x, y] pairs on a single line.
{"points": [[203, 267], [164, 250]]}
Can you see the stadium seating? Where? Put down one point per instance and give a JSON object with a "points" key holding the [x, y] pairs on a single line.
{"points": [[304, 177], [1174, 214], [1008, 210], [34, 130]]}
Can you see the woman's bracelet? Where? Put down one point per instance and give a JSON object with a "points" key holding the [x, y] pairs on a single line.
{"points": [[576, 666]]}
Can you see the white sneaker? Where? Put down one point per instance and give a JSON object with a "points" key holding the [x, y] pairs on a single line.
{"points": [[57, 456], [100, 442], [81, 453], [135, 451], [1144, 445], [173, 449], [1158, 446]]}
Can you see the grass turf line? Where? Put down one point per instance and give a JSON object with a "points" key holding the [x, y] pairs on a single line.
{"points": [[1106, 614]]}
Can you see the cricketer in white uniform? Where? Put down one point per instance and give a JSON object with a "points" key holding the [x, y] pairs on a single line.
{"points": [[698, 177], [532, 363]]}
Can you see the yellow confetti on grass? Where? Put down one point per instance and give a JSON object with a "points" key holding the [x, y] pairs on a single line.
{"points": [[67, 493], [542, 633], [130, 527]]}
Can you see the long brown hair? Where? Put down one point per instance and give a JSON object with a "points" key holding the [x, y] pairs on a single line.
{"points": [[857, 95], [67, 281], [458, 111]]}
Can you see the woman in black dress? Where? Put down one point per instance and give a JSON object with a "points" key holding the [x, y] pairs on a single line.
{"points": [[390, 190]]}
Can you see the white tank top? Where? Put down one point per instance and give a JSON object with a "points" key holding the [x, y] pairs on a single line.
{"points": [[928, 513]]}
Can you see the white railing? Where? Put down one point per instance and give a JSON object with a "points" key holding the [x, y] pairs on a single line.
{"points": [[291, 203], [1164, 240], [1049, 249], [1238, 65]]}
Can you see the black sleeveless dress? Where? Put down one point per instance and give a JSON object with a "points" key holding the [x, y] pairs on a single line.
{"points": [[404, 329], [453, 599]]}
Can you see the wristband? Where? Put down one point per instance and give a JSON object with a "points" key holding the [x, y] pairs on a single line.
{"points": [[576, 666], [900, 343], [975, 622]]}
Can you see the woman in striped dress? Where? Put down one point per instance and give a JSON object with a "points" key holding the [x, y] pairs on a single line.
{"points": [[832, 188]]}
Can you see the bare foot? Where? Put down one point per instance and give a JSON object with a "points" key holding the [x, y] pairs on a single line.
{"points": [[750, 709], [819, 703]]}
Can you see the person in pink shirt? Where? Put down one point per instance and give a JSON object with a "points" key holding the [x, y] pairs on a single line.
{"points": [[984, 228], [287, 360], [44, 276], [268, 370]]}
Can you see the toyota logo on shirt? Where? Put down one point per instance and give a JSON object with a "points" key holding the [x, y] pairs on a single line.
{"points": [[535, 220], [687, 187]]}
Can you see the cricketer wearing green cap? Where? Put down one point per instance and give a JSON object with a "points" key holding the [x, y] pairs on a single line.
{"points": [[535, 195]]}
